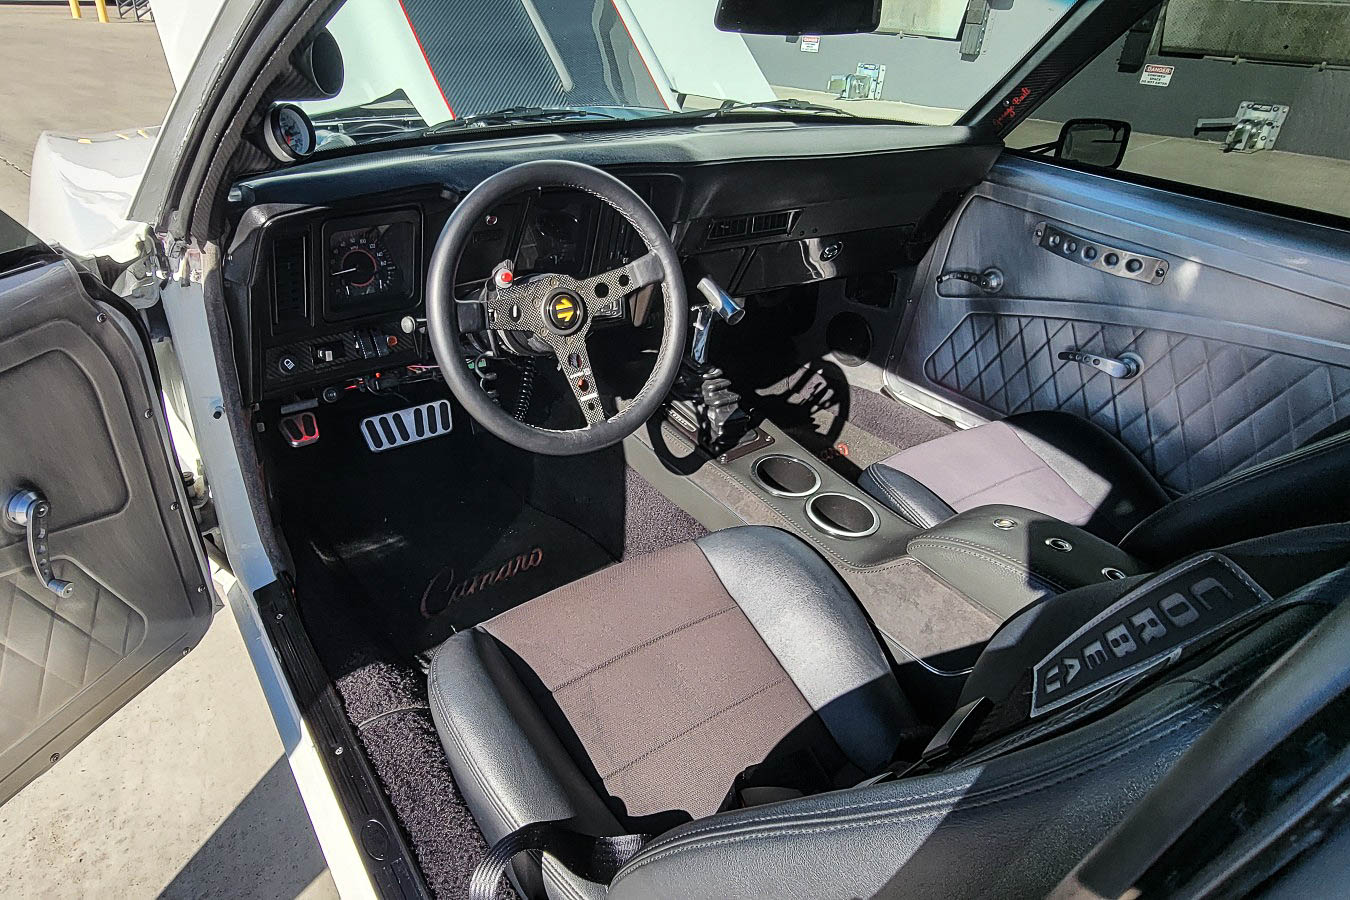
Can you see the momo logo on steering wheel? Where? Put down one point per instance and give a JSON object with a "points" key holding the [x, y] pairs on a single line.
{"points": [[563, 312]]}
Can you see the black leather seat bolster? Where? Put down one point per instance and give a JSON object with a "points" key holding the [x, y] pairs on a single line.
{"points": [[966, 831], [1306, 487], [904, 495], [817, 631], [519, 771]]}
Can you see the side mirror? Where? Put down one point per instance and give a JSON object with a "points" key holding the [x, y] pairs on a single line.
{"points": [[792, 17], [1093, 142]]}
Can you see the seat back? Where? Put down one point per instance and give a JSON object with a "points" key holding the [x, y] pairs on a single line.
{"points": [[1014, 815], [1308, 486]]}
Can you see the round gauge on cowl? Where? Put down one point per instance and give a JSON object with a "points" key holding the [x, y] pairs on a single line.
{"points": [[288, 133], [359, 265]]}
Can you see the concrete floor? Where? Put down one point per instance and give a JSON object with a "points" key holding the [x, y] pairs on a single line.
{"points": [[185, 792], [65, 75]]}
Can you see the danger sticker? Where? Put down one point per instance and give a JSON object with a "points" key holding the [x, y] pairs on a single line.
{"points": [[1157, 76], [810, 43]]}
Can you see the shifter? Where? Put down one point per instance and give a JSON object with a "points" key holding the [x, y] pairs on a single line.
{"points": [[704, 401]]}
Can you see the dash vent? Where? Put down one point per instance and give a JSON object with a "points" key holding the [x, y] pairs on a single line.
{"points": [[290, 290], [772, 223], [728, 229]]}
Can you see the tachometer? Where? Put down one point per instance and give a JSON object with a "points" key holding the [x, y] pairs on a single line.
{"points": [[359, 265]]}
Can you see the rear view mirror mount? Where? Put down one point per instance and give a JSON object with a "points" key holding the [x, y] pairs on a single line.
{"points": [[794, 17]]}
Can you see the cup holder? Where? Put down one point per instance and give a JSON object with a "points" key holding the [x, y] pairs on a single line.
{"points": [[842, 516], [785, 476]]}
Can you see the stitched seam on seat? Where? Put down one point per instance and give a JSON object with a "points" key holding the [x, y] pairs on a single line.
{"points": [[914, 515], [1003, 481], [993, 557], [695, 727], [642, 646], [1115, 737], [898, 818]]}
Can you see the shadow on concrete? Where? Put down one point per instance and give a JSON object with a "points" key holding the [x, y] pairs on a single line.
{"points": [[264, 848]]}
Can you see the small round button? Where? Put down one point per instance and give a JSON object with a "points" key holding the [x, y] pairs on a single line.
{"points": [[1134, 265], [1071, 247], [1111, 259], [1089, 253], [287, 364]]}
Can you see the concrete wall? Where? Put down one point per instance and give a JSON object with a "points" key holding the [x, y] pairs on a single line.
{"points": [[1319, 101], [924, 71]]}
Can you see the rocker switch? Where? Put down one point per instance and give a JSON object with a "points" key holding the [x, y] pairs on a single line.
{"points": [[28, 510]]}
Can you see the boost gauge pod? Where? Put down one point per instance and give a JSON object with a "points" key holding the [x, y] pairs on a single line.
{"points": [[288, 133]]}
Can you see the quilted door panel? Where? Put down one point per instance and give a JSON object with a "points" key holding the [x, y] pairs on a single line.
{"points": [[1198, 410], [1245, 343]]}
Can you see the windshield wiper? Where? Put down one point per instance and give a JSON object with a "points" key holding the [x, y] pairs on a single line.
{"points": [[786, 105], [514, 114]]}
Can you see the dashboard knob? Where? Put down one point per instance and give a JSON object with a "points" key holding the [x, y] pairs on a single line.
{"points": [[288, 364]]}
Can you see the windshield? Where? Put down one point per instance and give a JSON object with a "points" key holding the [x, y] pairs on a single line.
{"points": [[416, 65]]}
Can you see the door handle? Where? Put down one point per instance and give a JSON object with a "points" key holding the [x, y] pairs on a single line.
{"points": [[28, 510], [1127, 366]]}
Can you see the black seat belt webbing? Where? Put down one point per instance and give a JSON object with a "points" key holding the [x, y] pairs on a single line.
{"points": [[596, 859]]}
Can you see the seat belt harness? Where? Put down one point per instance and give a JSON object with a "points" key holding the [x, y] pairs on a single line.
{"points": [[596, 859]]}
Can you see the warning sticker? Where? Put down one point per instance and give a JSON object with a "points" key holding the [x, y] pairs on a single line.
{"points": [[1157, 76], [810, 43]]}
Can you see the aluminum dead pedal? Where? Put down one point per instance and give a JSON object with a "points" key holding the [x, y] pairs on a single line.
{"points": [[406, 426], [301, 429]]}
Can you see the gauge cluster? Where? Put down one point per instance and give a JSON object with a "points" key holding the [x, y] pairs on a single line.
{"points": [[327, 292], [371, 264]]}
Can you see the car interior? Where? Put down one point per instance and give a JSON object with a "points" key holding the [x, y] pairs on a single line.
{"points": [[783, 505], [876, 485]]}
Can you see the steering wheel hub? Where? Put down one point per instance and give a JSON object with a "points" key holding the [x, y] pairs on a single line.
{"points": [[564, 312]]}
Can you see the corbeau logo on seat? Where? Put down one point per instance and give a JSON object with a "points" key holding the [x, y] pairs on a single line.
{"points": [[1147, 627]]}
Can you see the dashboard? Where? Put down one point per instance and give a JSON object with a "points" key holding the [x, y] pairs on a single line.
{"points": [[328, 259]]}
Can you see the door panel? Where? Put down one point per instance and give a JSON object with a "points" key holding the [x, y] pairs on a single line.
{"points": [[1244, 345], [80, 423]]}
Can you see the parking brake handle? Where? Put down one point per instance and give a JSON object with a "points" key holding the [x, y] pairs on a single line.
{"points": [[28, 510]]}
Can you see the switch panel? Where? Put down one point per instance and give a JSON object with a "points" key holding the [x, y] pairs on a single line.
{"points": [[1096, 255]]}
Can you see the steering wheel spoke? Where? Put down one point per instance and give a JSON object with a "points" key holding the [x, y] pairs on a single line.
{"points": [[558, 310], [604, 293], [574, 361]]}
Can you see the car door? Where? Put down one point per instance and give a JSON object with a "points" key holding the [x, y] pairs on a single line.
{"points": [[1233, 339], [103, 583], [1194, 301]]}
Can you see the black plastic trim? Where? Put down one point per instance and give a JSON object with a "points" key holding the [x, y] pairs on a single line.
{"points": [[354, 781]]}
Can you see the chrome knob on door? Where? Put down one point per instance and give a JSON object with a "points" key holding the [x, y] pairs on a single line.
{"points": [[28, 510]]}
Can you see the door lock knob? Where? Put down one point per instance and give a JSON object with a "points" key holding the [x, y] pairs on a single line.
{"points": [[28, 510]]}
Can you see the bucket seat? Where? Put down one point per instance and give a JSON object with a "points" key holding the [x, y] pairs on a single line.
{"points": [[630, 702], [1064, 466]]}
